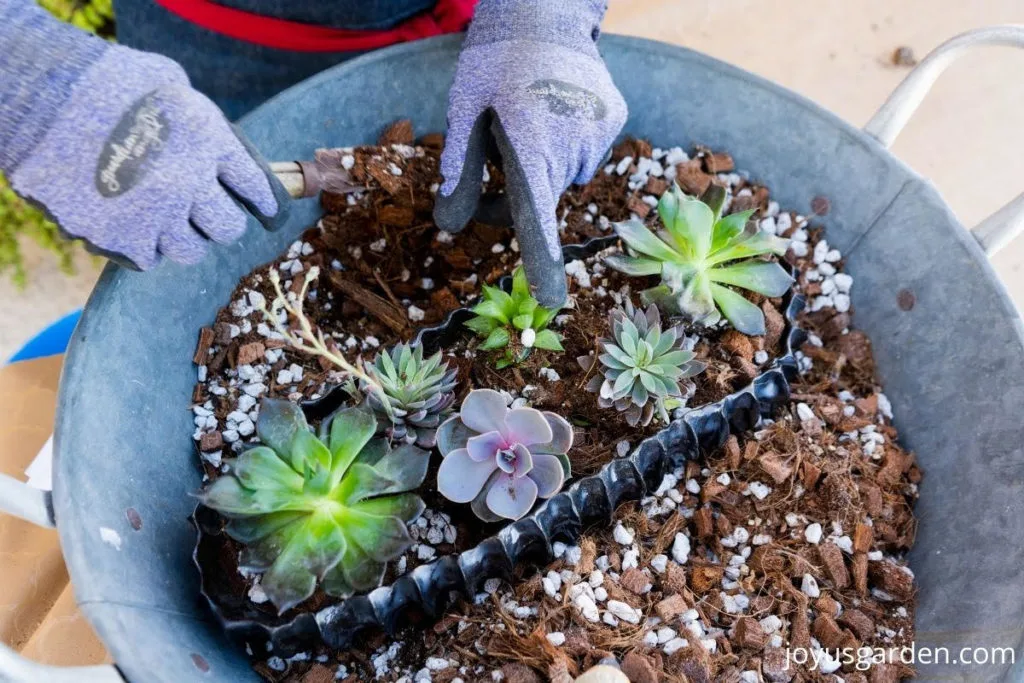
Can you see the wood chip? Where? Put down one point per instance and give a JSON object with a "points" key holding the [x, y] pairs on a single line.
{"points": [[671, 607], [827, 631], [639, 669], [777, 466], [210, 442], [706, 578], [861, 624], [202, 354], [250, 353], [635, 581], [892, 579], [859, 567], [832, 557], [749, 634], [378, 307], [863, 537], [774, 325], [719, 163], [638, 206], [398, 133], [705, 523]]}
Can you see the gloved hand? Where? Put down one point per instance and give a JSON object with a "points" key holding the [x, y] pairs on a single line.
{"points": [[531, 86], [118, 148]]}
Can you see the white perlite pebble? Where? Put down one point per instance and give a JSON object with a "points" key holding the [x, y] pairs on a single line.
{"points": [[650, 639], [761, 357], [809, 585], [548, 374], [659, 563], [622, 535], [759, 490], [804, 412], [771, 624], [692, 486], [528, 337], [557, 638], [587, 607], [813, 533], [674, 645], [841, 302], [437, 663], [665, 634], [624, 612], [416, 314], [681, 548]]}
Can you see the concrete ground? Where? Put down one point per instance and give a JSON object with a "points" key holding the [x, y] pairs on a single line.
{"points": [[966, 137]]}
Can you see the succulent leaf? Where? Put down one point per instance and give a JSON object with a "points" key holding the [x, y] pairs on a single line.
{"points": [[696, 255], [310, 512], [513, 323]]}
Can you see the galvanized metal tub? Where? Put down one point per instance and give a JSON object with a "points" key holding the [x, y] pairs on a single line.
{"points": [[951, 363]]}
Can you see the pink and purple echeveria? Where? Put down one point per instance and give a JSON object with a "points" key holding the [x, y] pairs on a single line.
{"points": [[502, 459]]}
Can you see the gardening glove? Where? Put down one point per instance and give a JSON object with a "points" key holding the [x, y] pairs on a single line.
{"points": [[532, 88], [118, 148]]}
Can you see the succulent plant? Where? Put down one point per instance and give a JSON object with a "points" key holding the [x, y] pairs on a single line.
{"points": [[417, 393], [641, 367], [502, 459], [514, 322], [700, 254], [331, 508]]}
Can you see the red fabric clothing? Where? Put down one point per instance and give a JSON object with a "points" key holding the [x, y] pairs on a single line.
{"points": [[448, 16]]}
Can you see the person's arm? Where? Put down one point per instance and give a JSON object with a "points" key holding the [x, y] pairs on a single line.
{"points": [[117, 147], [530, 83]]}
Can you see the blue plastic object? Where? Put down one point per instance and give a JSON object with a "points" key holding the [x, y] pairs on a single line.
{"points": [[951, 362], [51, 341]]}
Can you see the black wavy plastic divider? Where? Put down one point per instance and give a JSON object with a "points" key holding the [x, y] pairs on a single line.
{"points": [[428, 590]]}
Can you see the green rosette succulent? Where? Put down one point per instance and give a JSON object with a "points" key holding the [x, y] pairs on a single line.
{"points": [[416, 394], [700, 256], [514, 323], [332, 508], [641, 368]]}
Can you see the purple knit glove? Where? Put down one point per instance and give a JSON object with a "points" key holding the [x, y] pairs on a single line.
{"points": [[120, 150], [532, 87]]}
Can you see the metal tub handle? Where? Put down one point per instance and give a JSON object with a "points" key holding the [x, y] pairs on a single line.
{"points": [[35, 506], [999, 229]]}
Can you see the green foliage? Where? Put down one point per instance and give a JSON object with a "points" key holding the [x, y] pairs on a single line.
{"points": [[514, 323], [700, 255], [19, 220], [95, 16], [417, 393], [331, 508], [641, 366]]}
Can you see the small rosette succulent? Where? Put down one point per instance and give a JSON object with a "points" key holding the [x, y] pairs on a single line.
{"points": [[700, 255], [641, 369], [331, 509], [502, 459], [514, 322], [415, 394]]}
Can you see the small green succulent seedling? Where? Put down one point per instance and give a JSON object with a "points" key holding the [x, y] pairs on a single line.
{"points": [[514, 322], [417, 394], [700, 254], [331, 508], [641, 367]]}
